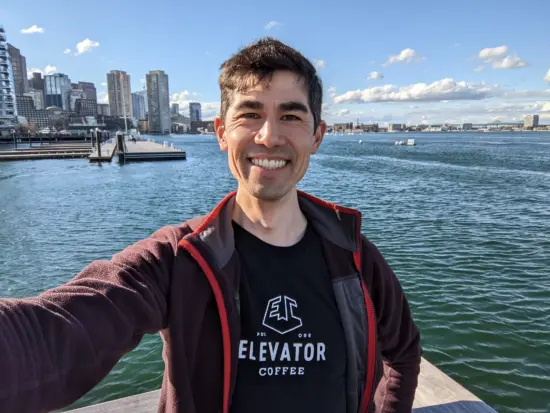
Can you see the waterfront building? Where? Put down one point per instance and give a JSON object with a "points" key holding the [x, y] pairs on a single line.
{"points": [[37, 97], [531, 121], [19, 68], [103, 109], [36, 82], [75, 95], [8, 105], [195, 112], [120, 95], [89, 90], [86, 107], [467, 126], [158, 99], [175, 109], [57, 91], [138, 106]]}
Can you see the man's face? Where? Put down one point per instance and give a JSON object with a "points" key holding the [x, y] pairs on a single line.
{"points": [[269, 136]]}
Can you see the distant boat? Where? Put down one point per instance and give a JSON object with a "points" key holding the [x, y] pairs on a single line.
{"points": [[408, 142]]}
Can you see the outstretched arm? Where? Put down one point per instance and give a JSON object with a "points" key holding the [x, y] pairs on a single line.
{"points": [[56, 347], [398, 336]]}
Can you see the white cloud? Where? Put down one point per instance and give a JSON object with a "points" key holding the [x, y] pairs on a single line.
{"points": [[85, 45], [375, 75], [444, 89], [104, 84], [509, 62], [67, 51], [33, 29], [490, 54], [320, 64], [405, 56], [102, 97], [331, 91], [48, 70], [479, 68], [343, 112], [271, 25], [142, 80], [547, 77], [499, 58]]}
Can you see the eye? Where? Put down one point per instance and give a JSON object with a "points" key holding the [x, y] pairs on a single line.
{"points": [[250, 116], [290, 117]]}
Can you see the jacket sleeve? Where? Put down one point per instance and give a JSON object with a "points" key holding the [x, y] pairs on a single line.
{"points": [[55, 347], [398, 336]]}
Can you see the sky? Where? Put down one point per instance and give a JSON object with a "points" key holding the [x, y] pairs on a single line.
{"points": [[391, 61]]}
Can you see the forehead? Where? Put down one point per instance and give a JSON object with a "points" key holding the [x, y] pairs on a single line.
{"points": [[282, 87]]}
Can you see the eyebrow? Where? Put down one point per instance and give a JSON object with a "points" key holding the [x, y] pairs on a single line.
{"points": [[286, 107]]}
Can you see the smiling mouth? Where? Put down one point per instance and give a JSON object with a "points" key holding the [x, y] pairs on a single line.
{"points": [[269, 163]]}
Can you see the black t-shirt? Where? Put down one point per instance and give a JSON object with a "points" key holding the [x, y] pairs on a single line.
{"points": [[292, 353]]}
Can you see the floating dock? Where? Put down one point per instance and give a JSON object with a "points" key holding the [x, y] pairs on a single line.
{"points": [[148, 150], [48, 151], [106, 153], [436, 393]]}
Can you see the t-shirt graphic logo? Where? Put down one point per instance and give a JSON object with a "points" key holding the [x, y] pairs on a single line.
{"points": [[279, 315]]}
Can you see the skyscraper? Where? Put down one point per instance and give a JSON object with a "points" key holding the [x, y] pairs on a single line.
{"points": [[120, 94], [89, 90], [57, 91], [138, 106], [195, 112], [36, 82], [158, 99], [531, 121], [175, 109], [19, 67], [8, 107]]}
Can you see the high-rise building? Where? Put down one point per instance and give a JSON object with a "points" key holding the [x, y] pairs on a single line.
{"points": [[158, 99], [19, 67], [8, 106], [76, 94], [37, 97], [175, 109], [103, 109], [531, 121], [120, 94], [89, 90], [195, 113], [36, 82], [57, 91], [86, 107], [138, 106]]}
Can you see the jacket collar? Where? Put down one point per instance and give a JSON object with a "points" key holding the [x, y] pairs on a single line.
{"points": [[339, 225]]}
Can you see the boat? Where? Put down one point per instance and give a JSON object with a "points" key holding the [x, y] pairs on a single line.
{"points": [[408, 142]]}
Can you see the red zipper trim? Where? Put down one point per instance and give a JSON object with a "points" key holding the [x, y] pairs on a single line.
{"points": [[223, 319], [371, 356]]}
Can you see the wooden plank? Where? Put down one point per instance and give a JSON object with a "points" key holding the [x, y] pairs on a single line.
{"points": [[436, 393]]}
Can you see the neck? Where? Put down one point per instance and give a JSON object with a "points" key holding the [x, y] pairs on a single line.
{"points": [[280, 223]]}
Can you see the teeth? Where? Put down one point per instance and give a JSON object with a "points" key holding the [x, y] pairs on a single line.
{"points": [[269, 164]]}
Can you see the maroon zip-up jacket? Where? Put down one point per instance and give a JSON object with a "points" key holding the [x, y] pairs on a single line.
{"points": [[183, 281]]}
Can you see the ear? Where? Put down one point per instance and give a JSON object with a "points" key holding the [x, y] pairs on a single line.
{"points": [[220, 133], [318, 136]]}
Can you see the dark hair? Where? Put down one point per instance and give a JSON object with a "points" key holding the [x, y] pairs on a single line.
{"points": [[258, 61]]}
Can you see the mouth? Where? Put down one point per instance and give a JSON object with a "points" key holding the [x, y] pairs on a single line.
{"points": [[270, 164]]}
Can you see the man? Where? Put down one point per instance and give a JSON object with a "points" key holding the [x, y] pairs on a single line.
{"points": [[272, 302]]}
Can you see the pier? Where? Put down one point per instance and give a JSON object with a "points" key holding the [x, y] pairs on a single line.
{"points": [[436, 393], [48, 151], [148, 150]]}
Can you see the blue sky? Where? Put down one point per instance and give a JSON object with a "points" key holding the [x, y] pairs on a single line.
{"points": [[436, 47]]}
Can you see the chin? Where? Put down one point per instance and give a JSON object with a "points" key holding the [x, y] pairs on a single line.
{"points": [[268, 193]]}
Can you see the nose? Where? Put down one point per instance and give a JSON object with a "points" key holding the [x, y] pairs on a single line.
{"points": [[269, 135]]}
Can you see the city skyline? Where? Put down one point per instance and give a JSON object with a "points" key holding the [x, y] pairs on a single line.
{"points": [[391, 62]]}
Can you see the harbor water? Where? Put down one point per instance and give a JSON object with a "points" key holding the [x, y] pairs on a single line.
{"points": [[462, 218]]}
